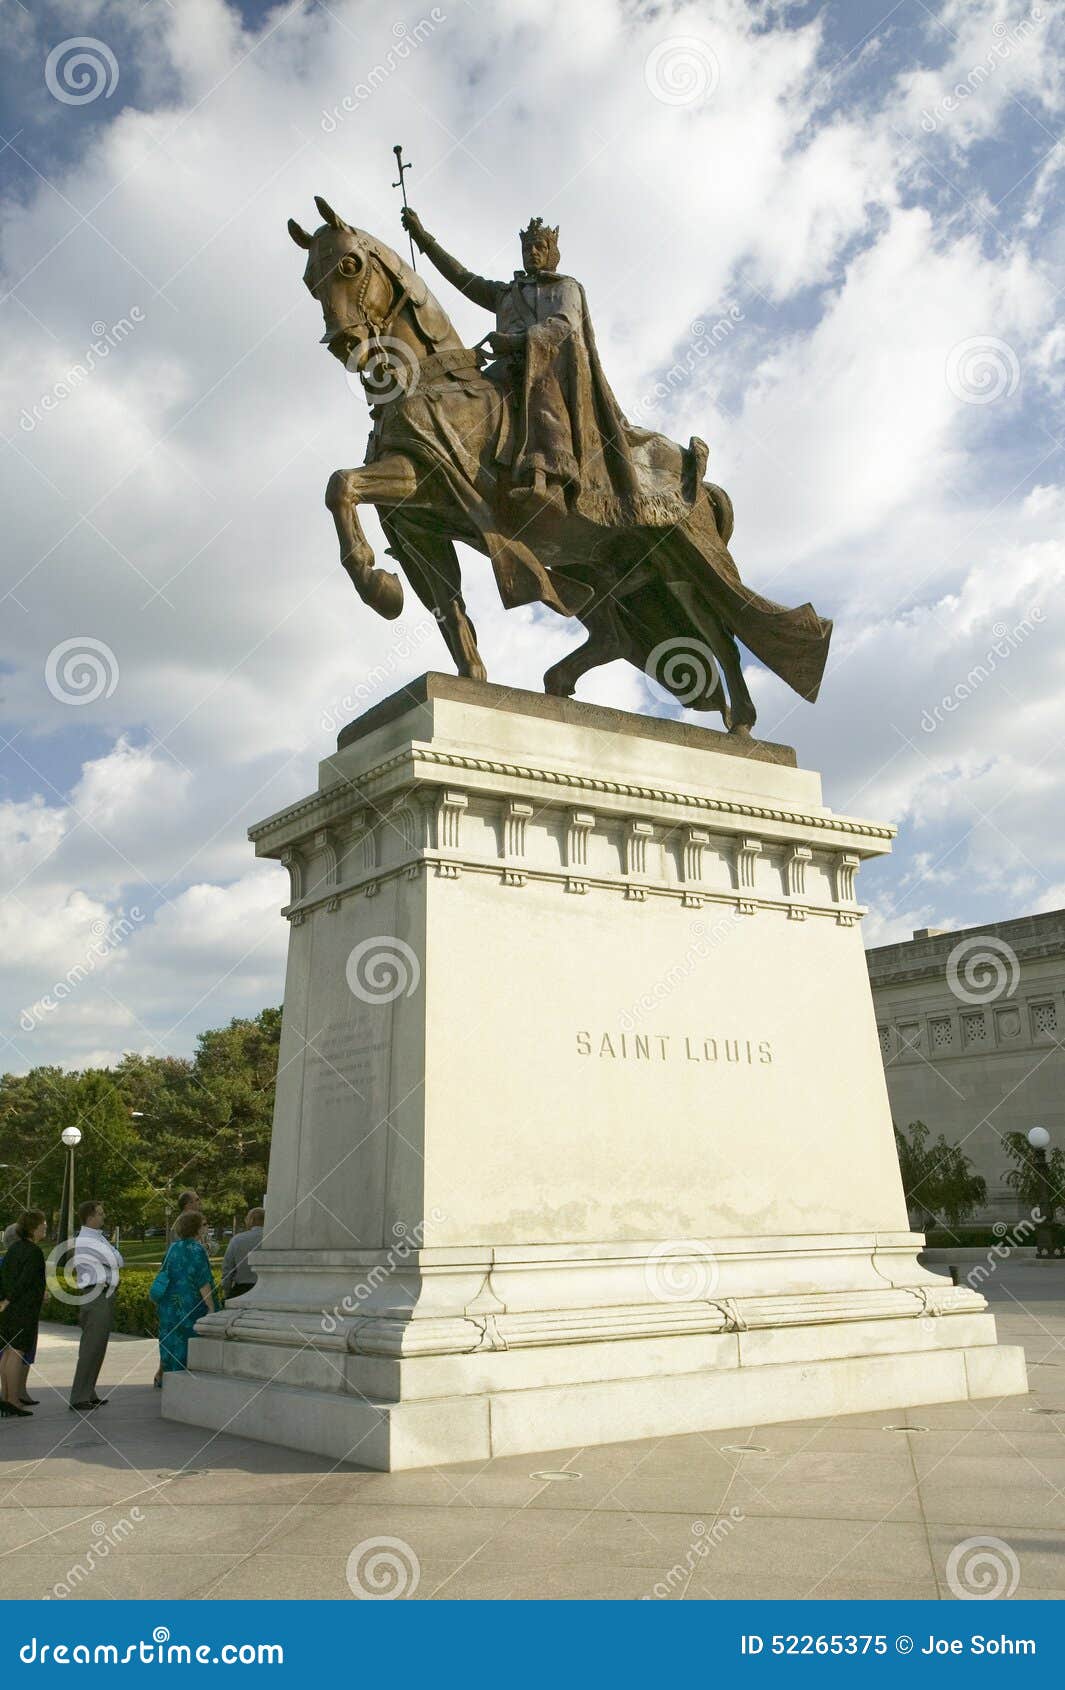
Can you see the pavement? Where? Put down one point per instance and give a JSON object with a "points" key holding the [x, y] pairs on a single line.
{"points": [[123, 1504]]}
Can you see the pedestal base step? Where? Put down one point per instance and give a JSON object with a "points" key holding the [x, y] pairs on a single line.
{"points": [[429, 1432]]}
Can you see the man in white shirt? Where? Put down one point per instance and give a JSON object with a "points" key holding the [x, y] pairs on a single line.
{"points": [[96, 1270]]}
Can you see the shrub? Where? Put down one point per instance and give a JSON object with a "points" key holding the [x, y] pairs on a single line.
{"points": [[135, 1313]]}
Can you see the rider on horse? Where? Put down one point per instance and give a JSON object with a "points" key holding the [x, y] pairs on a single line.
{"points": [[564, 442]]}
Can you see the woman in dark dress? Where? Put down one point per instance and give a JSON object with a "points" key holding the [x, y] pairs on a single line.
{"points": [[22, 1284]]}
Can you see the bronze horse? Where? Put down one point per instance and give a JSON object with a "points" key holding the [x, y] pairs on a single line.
{"points": [[667, 598]]}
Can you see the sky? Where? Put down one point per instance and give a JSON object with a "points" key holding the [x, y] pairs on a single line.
{"points": [[842, 222]]}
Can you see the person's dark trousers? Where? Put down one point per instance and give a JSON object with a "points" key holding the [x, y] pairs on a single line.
{"points": [[95, 1319]]}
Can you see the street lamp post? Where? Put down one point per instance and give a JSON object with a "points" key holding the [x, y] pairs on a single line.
{"points": [[1046, 1233], [71, 1137]]}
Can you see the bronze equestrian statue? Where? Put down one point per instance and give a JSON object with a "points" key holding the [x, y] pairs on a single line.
{"points": [[525, 455]]}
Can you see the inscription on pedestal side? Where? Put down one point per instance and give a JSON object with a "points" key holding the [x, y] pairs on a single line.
{"points": [[344, 1066]]}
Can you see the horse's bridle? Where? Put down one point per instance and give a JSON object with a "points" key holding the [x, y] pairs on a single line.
{"points": [[401, 293]]}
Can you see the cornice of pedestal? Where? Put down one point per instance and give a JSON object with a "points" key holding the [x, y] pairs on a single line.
{"points": [[427, 809], [554, 785]]}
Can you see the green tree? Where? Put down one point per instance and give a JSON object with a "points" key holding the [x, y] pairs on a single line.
{"points": [[150, 1126], [34, 1109], [220, 1114], [937, 1178], [111, 1163]]}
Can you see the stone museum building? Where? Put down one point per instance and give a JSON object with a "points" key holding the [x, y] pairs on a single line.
{"points": [[970, 1025]]}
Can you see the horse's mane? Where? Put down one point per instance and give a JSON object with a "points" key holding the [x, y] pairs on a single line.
{"points": [[434, 324]]}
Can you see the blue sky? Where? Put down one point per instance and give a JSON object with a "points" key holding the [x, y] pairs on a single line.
{"points": [[873, 192]]}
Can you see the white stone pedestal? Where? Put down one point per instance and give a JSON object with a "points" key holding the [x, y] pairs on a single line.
{"points": [[581, 1127]]}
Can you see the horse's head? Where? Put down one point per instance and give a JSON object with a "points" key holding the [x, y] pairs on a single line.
{"points": [[366, 291]]}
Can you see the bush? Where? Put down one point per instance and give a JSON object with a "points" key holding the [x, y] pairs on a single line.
{"points": [[979, 1237], [135, 1313]]}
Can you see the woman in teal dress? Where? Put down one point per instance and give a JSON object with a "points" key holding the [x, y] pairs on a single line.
{"points": [[187, 1294]]}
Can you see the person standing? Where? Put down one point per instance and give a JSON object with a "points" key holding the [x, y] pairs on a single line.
{"points": [[187, 1200], [237, 1276], [187, 1292], [22, 1286], [96, 1269], [29, 1356]]}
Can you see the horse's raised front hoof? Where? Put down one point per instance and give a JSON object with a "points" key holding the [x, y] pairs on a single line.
{"points": [[383, 592]]}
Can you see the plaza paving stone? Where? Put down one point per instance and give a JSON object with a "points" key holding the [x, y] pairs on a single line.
{"points": [[123, 1504]]}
